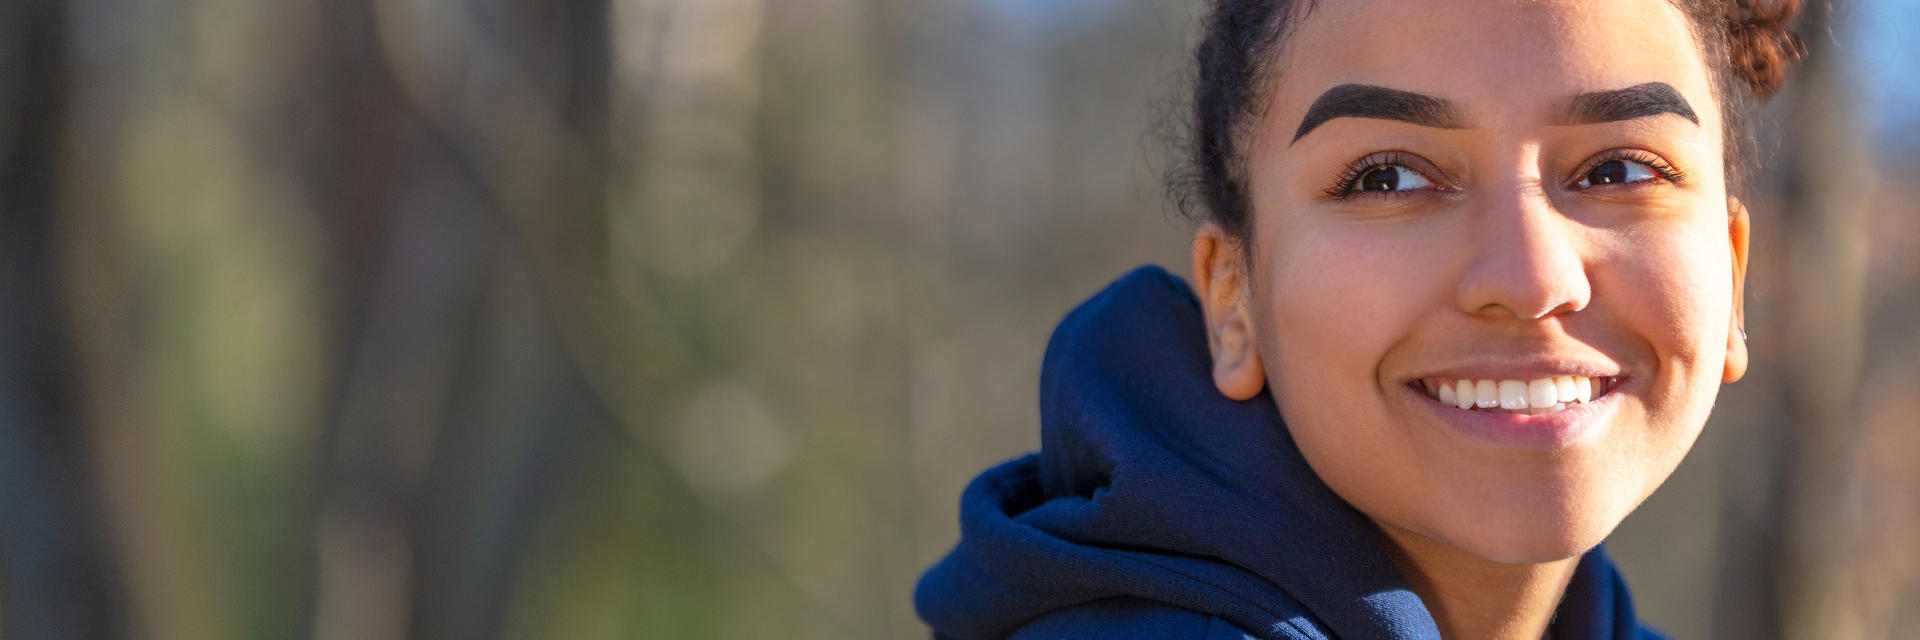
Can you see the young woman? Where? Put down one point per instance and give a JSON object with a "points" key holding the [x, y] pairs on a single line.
{"points": [[1466, 282]]}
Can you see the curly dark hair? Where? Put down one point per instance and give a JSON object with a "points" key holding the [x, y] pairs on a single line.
{"points": [[1747, 45]]}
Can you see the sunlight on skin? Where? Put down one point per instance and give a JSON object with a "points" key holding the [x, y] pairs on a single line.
{"points": [[1505, 267]]}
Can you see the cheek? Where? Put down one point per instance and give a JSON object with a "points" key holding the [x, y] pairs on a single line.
{"points": [[1333, 302], [1336, 300], [1674, 286]]}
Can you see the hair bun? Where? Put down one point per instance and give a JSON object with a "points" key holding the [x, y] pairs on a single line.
{"points": [[1759, 44]]}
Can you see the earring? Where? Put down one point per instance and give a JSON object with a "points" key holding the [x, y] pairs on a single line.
{"points": [[1743, 333]]}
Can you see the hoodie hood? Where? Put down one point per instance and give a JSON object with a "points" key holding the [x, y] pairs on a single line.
{"points": [[1150, 484]]}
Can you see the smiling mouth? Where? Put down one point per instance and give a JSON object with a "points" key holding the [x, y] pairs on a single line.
{"points": [[1523, 397]]}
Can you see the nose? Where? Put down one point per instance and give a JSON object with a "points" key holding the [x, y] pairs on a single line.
{"points": [[1527, 261]]}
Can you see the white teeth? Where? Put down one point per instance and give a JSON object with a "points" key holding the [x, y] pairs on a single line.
{"points": [[1542, 395], [1513, 394], [1486, 394], [1564, 390]]}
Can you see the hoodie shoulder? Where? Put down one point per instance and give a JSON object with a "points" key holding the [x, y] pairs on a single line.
{"points": [[1159, 508], [1127, 617]]}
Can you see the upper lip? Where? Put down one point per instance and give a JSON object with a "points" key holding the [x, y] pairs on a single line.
{"points": [[1524, 368]]}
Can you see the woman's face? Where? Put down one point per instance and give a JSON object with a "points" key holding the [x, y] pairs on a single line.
{"points": [[1481, 196]]}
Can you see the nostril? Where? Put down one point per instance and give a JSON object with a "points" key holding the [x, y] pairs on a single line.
{"points": [[1528, 268], [1564, 308]]}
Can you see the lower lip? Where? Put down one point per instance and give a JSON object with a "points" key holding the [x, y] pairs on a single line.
{"points": [[1545, 431]]}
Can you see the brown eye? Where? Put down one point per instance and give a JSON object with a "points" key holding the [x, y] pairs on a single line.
{"points": [[1390, 178], [1609, 172], [1616, 172], [1380, 179], [1386, 174]]}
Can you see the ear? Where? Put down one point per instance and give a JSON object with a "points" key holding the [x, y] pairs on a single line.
{"points": [[1738, 229], [1221, 279]]}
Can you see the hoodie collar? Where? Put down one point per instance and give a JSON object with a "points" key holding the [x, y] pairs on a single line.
{"points": [[1149, 483]]}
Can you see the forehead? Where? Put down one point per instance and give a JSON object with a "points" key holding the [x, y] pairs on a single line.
{"points": [[1501, 60]]}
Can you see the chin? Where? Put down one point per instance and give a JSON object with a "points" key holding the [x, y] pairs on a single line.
{"points": [[1530, 544], [1535, 529]]}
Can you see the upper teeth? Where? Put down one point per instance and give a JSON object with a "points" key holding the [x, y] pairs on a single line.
{"points": [[1541, 393]]}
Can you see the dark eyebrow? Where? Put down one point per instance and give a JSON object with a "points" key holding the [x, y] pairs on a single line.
{"points": [[1638, 101], [1368, 101]]}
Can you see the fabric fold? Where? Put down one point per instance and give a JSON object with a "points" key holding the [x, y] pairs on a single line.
{"points": [[1151, 486]]}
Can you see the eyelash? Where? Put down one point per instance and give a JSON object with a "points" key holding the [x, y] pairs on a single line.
{"points": [[1342, 189], [1661, 168]]}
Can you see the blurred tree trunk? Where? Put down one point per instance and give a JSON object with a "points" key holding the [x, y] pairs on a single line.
{"points": [[456, 417], [1825, 225], [57, 574], [1802, 492]]}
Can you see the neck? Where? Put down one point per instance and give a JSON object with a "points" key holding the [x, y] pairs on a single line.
{"points": [[1472, 597]]}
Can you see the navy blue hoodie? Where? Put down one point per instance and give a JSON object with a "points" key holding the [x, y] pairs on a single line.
{"points": [[1158, 508]]}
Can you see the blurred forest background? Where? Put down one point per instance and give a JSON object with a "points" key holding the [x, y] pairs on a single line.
{"points": [[590, 319]]}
